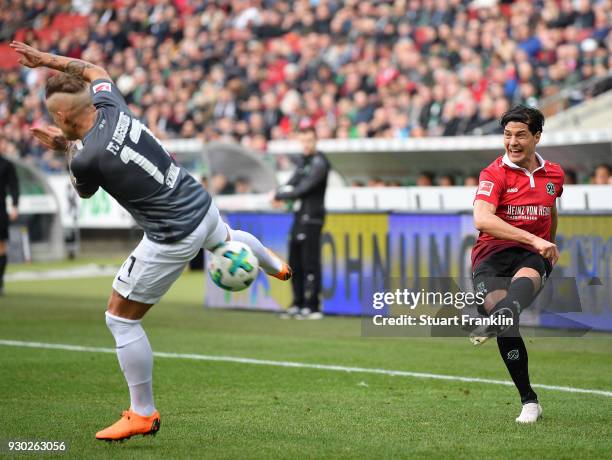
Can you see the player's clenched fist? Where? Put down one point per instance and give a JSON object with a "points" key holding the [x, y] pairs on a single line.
{"points": [[30, 57], [546, 249]]}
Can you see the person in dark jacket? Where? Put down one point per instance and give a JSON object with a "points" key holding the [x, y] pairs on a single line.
{"points": [[8, 184], [306, 190]]}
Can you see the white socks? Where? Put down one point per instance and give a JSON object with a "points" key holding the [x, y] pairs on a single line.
{"points": [[267, 261], [136, 361]]}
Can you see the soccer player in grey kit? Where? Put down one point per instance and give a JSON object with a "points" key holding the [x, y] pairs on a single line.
{"points": [[115, 151]]}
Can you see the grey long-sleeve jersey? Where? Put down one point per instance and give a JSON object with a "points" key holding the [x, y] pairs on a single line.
{"points": [[121, 155]]}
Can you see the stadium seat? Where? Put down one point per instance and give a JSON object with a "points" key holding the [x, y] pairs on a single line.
{"points": [[393, 199], [457, 198], [599, 198], [339, 199], [426, 198], [574, 198], [365, 198]]}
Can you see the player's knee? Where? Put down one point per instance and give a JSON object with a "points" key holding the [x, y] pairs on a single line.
{"points": [[522, 291], [124, 308], [125, 331], [535, 267], [533, 274]]}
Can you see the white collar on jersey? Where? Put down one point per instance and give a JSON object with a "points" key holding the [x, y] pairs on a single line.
{"points": [[507, 162]]}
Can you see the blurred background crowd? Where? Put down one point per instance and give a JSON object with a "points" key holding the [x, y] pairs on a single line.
{"points": [[602, 175], [250, 71]]}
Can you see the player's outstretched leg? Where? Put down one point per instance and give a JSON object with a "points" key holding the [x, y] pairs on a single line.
{"points": [[136, 361], [271, 263]]}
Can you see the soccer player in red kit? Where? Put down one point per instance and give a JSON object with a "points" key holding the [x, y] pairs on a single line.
{"points": [[515, 212]]}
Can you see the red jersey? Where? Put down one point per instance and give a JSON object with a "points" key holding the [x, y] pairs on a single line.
{"points": [[523, 199]]}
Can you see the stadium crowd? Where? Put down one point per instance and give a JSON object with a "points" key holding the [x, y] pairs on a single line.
{"points": [[253, 70]]}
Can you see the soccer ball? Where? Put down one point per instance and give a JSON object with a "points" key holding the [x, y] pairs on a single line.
{"points": [[233, 266]]}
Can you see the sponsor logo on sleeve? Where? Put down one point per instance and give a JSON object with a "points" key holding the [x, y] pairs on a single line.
{"points": [[102, 86], [485, 188]]}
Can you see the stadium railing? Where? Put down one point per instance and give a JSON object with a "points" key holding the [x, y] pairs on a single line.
{"points": [[399, 159]]}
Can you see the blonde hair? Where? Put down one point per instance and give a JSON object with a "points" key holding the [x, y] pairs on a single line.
{"points": [[64, 83]]}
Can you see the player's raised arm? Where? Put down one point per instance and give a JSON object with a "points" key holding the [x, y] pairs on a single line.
{"points": [[31, 57]]}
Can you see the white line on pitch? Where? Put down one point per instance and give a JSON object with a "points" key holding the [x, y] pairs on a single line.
{"points": [[325, 367], [82, 271]]}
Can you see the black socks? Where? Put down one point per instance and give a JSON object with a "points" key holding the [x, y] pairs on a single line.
{"points": [[513, 352], [520, 295], [510, 343]]}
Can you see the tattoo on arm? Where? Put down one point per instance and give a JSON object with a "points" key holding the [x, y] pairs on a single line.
{"points": [[77, 68]]}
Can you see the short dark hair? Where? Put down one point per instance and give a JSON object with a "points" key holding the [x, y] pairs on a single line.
{"points": [[570, 176], [531, 116], [450, 177], [428, 174], [64, 83], [309, 128]]}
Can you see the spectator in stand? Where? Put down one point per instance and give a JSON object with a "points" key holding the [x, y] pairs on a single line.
{"points": [[601, 175], [376, 182], [446, 180], [470, 180], [242, 185], [425, 179], [570, 177], [220, 185]]}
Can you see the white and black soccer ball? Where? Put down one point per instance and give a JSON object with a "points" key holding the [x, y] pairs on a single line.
{"points": [[233, 266]]}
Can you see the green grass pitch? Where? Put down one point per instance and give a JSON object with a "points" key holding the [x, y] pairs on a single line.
{"points": [[232, 410]]}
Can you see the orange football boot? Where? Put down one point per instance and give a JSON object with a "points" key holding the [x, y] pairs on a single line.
{"points": [[130, 424], [286, 272]]}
